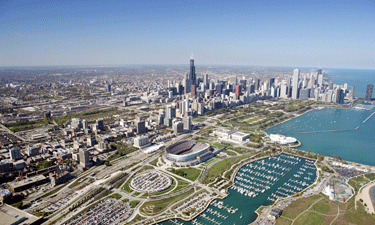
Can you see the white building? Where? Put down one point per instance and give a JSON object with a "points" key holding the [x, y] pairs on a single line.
{"points": [[231, 135], [295, 84], [282, 139], [141, 142]]}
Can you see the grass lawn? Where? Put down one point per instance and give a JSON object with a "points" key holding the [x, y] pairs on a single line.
{"points": [[283, 221], [154, 162], [134, 203], [296, 207], [231, 153], [220, 167], [136, 219], [370, 176], [310, 218], [156, 207], [191, 173], [357, 182], [322, 207], [116, 196], [126, 187]]}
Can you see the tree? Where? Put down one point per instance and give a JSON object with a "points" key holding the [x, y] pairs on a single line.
{"points": [[107, 163]]}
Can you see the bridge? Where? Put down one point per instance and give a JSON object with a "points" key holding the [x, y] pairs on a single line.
{"points": [[319, 131]]}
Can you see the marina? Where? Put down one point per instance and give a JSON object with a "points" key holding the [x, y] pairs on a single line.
{"points": [[258, 183]]}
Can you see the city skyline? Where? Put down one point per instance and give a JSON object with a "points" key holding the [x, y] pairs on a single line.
{"points": [[289, 34]]}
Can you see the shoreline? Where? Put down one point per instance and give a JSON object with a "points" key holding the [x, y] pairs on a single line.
{"points": [[372, 197]]}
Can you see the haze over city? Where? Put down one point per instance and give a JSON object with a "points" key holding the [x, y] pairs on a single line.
{"points": [[187, 112], [327, 34]]}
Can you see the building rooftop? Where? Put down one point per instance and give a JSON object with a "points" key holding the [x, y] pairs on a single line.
{"points": [[16, 184], [12, 215]]}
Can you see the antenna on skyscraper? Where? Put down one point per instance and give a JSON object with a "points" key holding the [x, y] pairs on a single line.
{"points": [[191, 55]]}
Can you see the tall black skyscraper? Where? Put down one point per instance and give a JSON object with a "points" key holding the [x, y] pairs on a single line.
{"points": [[192, 75], [369, 92]]}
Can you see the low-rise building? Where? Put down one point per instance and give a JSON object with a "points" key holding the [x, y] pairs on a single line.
{"points": [[27, 183]]}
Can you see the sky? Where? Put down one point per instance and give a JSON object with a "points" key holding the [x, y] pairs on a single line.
{"points": [[300, 33]]}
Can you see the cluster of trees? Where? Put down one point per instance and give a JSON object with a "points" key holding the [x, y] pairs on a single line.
{"points": [[179, 172], [190, 211], [122, 149]]}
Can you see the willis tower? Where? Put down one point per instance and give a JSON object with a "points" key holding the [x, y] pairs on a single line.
{"points": [[192, 75]]}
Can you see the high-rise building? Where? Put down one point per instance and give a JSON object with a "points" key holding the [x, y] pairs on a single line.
{"points": [[339, 95], [84, 158], [257, 84], [205, 80], [351, 94], [192, 75], [284, 90], [178, 127], [193, 90], [243, 83], [141, 127], [76, 123], [109, 88], [295, 84], [272, 82], [141, 142], [33, 151], [304, 94], [238, 91], [233, 80], [369, 92], [100, 123], [219, 88], [15, 154], [85, 124], [187, 123], [320, 80]]}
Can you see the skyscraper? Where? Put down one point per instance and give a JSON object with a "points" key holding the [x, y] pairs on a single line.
{"points": [[257, 84], [192, 75], [284, 90], [205, 80], [233, 80], [193, 90], [238, 91], [84, 158], [295, 84], [351, 94], [141, 127], [369, 92], [320, 80]]}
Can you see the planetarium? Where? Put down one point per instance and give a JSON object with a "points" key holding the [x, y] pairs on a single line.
{"points": [[188, 151]]}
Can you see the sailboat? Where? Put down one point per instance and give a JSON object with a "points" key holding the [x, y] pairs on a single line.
{"points": [[241, 215]]}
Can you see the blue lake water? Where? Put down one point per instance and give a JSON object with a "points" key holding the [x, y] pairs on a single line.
{"points": [[354, 145], [257, 183], [359, 78]]}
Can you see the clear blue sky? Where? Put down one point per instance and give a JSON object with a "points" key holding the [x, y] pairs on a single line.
{"points": [[330, 34]]}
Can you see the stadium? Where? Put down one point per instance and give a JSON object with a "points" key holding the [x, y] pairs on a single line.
{"points": [[188, 152]]}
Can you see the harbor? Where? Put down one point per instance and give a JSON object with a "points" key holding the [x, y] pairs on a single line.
{"points": [[258, 183]]}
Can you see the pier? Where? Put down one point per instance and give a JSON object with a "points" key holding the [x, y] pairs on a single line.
{"points": [[323, 131], [369, 117]]}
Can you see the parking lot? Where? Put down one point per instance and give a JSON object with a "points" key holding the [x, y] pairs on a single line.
{"points": [[108, 211]]}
